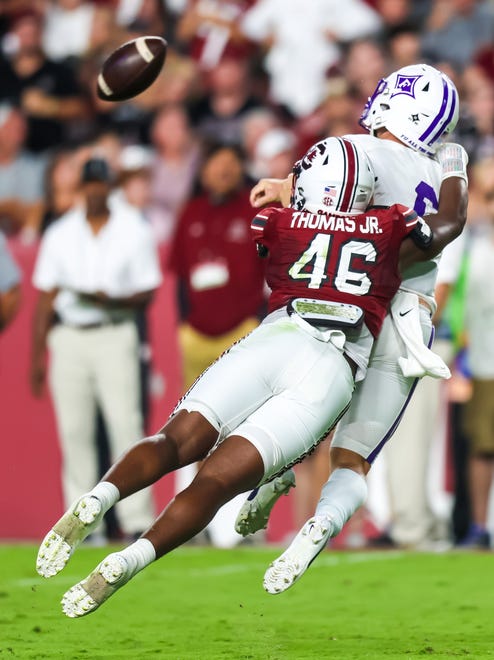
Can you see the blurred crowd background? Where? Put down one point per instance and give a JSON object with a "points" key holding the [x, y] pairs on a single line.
{"points": [[257, 82]]}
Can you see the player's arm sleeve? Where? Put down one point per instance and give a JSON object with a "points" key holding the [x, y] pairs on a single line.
{"points": [[416, 228], [259, 228], [421, 234], [448, 222]]}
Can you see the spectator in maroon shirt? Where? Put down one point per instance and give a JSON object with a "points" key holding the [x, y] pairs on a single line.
{"points": [[220, 276]]}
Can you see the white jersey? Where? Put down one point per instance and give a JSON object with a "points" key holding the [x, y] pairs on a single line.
{"points": [[407, 177]]}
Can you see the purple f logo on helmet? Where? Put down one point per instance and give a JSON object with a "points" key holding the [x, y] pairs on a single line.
{"points": [[405, 85]]}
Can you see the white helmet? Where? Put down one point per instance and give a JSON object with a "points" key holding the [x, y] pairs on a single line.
{"points": [[334, 176], [417, 104]]}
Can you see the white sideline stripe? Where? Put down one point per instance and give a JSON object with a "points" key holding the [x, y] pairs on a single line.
{"points": [[143, 49]]}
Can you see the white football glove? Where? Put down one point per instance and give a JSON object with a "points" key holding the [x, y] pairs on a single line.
{"points": [[453, 160]]}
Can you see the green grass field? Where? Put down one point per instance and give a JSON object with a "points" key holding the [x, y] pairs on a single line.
{"points": [[201, 603]]}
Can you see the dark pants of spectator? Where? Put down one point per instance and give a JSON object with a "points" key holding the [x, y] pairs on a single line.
{"points": [[461, 516]]}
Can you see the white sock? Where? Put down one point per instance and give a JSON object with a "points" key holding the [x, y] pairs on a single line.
{"points": [[343, 493], [139, 555], [107, 493]]}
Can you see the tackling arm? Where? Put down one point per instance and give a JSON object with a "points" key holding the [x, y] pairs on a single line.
{"points": [[270, 191], [450, 219]]}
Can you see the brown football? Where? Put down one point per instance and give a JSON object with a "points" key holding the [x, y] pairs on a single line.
{"points": [[131, 68]]}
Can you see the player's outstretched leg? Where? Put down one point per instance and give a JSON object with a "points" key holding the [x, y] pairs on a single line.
{"points": [[82, 518], [111, 574], [254, 514], [292, 564]]}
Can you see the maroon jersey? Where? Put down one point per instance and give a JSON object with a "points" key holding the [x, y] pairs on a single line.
{"points": [[213, 255], [347, 259]]}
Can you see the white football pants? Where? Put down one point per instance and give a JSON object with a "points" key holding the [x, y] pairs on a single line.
{"points": [[279, 387], [380, 400]]}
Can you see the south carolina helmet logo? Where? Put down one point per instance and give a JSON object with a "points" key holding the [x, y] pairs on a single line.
{"points": [[405, 85]]}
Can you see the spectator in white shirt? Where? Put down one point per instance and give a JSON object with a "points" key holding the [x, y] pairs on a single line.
{"points": [[97, 265], [74, 28], [302, 45]]}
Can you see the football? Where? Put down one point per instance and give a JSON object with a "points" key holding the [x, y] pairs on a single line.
{"points": [[131, 68]]}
